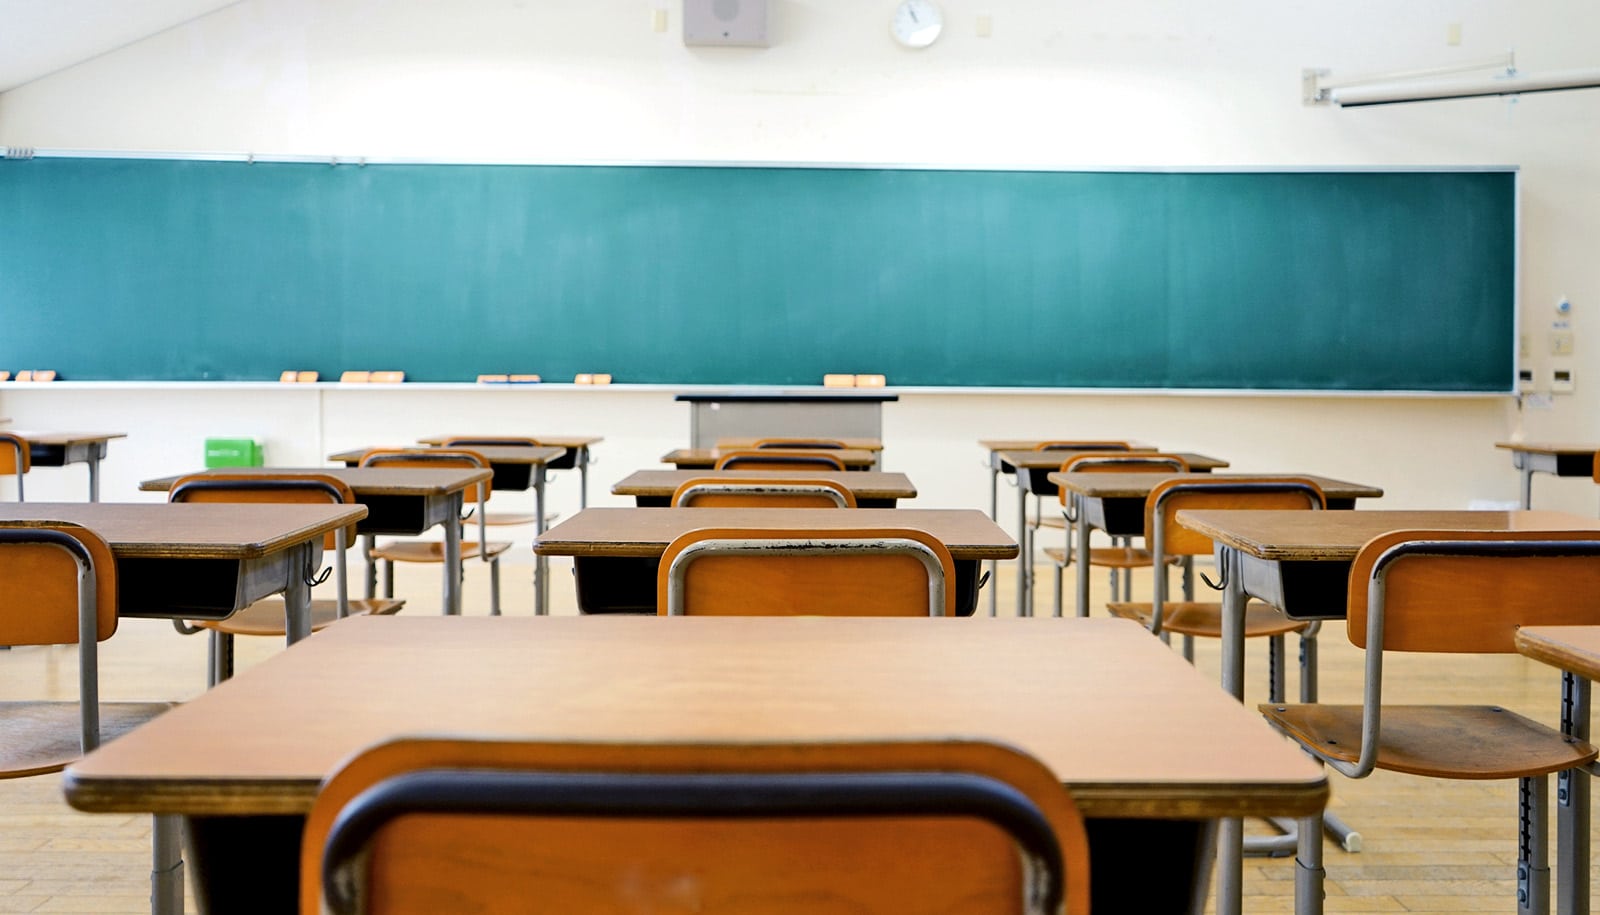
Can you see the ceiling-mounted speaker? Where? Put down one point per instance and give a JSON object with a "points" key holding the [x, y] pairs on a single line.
{"points": [[725, 22]]}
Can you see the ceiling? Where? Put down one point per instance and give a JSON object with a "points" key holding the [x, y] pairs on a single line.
{"points": [[40, 37]]}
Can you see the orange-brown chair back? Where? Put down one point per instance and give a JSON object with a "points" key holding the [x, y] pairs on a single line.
{"points": [[383, 829], [1231, 492], [39, 596], [15, 457], [1083, 445], [1121, 462], [516, 441], [778, 459], [433, 459], [831, 444], [777, 492], [318, 489], [816, 579], [1476, 603]]}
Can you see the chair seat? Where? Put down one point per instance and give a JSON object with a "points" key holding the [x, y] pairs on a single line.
{"points": [[1113, 557], [1441, 741], [265, 617], [1204, 620], [433, 550], [44, 737]]}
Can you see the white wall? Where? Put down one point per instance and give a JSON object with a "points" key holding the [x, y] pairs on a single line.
{"points": [[1060, 83]]}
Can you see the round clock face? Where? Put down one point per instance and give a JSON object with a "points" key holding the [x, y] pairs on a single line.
{"points": [[916, 23]]}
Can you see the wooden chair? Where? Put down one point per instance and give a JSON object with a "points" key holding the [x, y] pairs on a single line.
{"points": [[1191, 618], [774, 572], [266, 617], [15, 458], [430, 551], [713, 492], [778, 459], [505, 519], [1121, 557], [812, 444], [1453, 592], [425, 825], [1040, 518], [60, 588]]}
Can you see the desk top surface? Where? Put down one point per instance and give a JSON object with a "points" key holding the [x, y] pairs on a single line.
{"points": [[869, 484], [1550, 447], [494, 454], [1338, 535], [1573, 648], [67, 438], [968, 533], [1031, 444], [854, 444], [1098, 701], [365, 481], [162, 530], [707, 457], [1036, 460], [1097, 485], [558, 441]]}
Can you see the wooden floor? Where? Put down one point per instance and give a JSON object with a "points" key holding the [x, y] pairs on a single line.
{"points": [[1443, 847]]}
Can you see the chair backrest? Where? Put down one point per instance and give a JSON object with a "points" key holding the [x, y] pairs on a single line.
{"points": [[1597, 466], [60, 588], [832, 444], [712, 492], [836, 572], [1167, 538], [778, 459], [300, 488], [1082, 445], [1120, 462], [15, 458], [1469, 591], [434, 459], [421, 825]]}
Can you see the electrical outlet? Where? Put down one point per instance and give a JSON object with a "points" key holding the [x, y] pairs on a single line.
{"points": [[1561, 343], [1525, 381], [1561, 381]]}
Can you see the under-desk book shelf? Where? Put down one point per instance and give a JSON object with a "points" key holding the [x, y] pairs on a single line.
{"points": [[171, 269]]}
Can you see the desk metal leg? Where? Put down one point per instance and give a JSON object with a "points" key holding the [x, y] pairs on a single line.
{"points": [[1230, 832], [1521, 462], [166, 865], [583, 481], [1572, 806], [452, 555], [94, 478], [994, 515], [1024, 560], [541, 577], [1080, 529], [297, 593]]}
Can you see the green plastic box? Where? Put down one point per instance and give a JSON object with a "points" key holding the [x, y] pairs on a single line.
{"points": [[233, 452]]}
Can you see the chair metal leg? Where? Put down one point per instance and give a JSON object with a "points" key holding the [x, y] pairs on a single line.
{"points": [[494, 586], [1275, 662], [166, 865], [388, 578], [371, 580], [1057, 590]]}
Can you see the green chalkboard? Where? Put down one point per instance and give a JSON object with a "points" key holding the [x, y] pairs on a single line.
{"points": [[135, 269]]}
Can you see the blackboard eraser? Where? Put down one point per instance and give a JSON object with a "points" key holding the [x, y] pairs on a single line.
{"points": [[493, 379], [587, 378], [36, 375], [870, 381], [387, 377], [838, 381], [523, 379], [293, 377]]}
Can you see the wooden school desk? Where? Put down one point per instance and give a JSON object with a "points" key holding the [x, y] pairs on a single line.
{"points": [[872, 488], [204, 561], [400, 500], [1034, 470], [243, 763], [616, 551], [1299, 562], [1576, 651], [1562, 460], [576, 455], [1114, 503], [58, 449], [706, 458], [516, 469], [745, 443]]}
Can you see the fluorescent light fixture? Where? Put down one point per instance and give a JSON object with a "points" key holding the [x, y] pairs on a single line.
{"points": [[1436, 90], [1426, 85]]}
